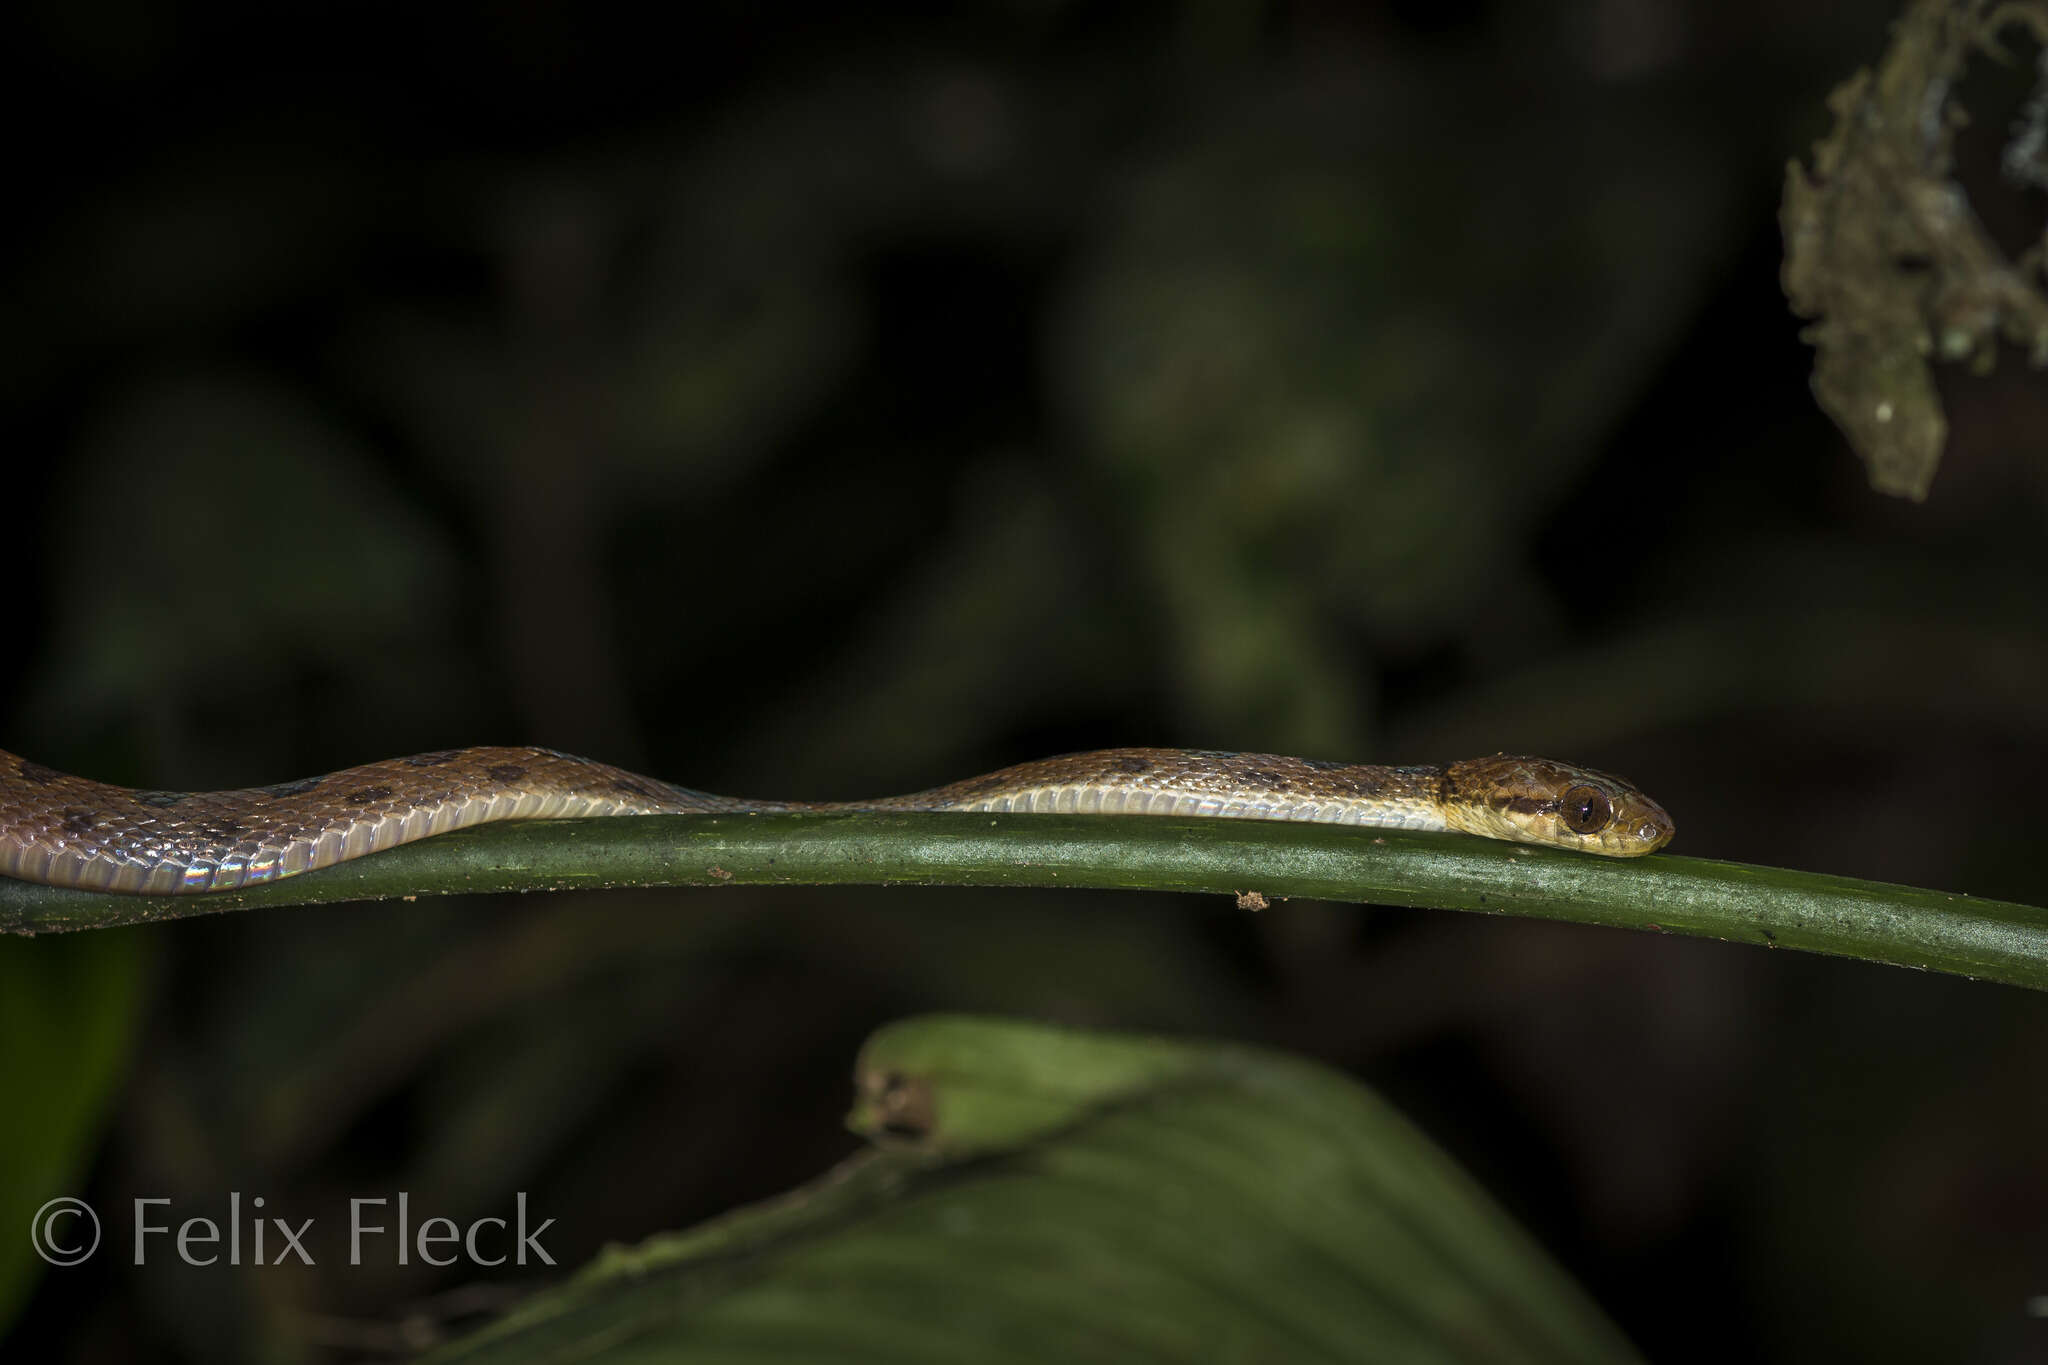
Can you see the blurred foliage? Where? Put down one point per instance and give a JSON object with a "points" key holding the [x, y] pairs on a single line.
{"points": [[1882, 245], [829, 402], [67, 1021], [1087, 1196]]}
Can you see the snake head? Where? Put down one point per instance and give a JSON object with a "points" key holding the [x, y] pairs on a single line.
{"points": [[1536, 801]]}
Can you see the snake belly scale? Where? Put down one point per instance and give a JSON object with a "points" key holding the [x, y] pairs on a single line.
{"points": [[72, 831]]}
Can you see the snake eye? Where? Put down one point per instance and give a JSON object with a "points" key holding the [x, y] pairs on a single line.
{"points": [[1585, 810]]}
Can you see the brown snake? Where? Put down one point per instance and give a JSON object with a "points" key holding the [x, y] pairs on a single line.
{"points": [[71, 831]]}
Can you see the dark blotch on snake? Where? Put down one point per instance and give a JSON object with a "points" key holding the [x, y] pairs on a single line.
{"points": [[632, 788], [506, 772], [434, 760], [161, 800], [363, 796], [1324, 765], [1131, 763], [298, 788], [80, 821], [35, 772], [220, 827], [1266, 775]]}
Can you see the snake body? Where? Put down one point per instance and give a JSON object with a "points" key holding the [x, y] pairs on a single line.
{"points": [[72, 831]]}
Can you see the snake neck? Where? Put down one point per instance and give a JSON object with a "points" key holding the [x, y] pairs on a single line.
{"points": [[1196, 782]]}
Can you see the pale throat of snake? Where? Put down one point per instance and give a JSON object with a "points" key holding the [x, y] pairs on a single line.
{"points": [[72, 831]]}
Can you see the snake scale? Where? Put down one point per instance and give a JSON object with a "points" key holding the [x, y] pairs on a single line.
{"points": [[71, 831]]}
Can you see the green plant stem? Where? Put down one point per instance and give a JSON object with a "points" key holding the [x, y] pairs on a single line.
{"points": [[1775, 907]]}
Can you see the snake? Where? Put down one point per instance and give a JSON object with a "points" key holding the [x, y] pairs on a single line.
{"points": [[75, 832]]}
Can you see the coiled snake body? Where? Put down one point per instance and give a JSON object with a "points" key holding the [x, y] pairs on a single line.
{"points": [[70, 831]]}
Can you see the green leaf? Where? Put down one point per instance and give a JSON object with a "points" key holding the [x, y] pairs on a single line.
{"points": [[1768, 906], [67, 1016], [1043, 1194]]}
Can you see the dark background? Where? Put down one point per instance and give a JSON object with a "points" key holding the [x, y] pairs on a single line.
{"points": [[831, 403]]}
